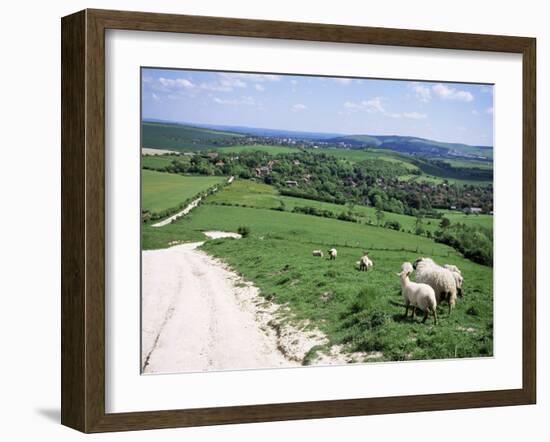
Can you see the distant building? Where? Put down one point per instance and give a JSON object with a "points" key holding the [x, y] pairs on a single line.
{"points": [[452, 207], [473, 210], [291, 183]]}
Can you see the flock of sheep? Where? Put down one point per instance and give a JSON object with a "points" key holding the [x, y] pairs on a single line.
{"points": [[434, 283]]}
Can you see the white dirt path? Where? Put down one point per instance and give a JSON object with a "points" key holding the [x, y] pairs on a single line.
{"points": [[198, 317]]}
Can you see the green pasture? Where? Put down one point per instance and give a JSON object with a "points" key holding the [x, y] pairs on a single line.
{"points": [[162, 191], [363, 311]]}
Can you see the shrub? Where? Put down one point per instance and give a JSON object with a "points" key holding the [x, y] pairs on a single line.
{"points": [[394, 225], [244, 231]]}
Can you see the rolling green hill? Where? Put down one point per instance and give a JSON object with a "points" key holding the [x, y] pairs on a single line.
{"points": [[361, 311], [181, 137], [415, 145], [164, 191]]}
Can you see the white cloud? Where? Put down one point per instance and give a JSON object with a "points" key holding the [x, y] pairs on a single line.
{"points": [[423, 93], [248, 101], [371, 106], [175, 84], [224, 83], [447, 93], [155, 97], [259, 87], [489, 110], [299, 107], [374, 105]]}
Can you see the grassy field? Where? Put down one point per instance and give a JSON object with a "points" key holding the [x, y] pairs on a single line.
{"points": [[182, 137], [161, 191], [160, 161], [469, 164], [456, 216], [260, 195], [362, 311], [356, 155], [439, 180]]}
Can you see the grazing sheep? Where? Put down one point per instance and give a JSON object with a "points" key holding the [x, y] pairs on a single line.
{"points": [[318, 253], [453, 268], [439, 278], [365, 262], [332, 253], [458, 277], [407, 267], [458, 281], [417, 295]]}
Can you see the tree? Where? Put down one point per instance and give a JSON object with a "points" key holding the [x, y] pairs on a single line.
{"points": [[419, 226], [445, 222], [379, 216]]}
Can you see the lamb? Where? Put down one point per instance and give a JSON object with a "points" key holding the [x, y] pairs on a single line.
{"points": [[417, 295], [332, 253], [365, 262], [318, 253], [439, 278]]}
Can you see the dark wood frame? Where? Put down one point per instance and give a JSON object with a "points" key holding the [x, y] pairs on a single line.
{"points": [[83, 216]]}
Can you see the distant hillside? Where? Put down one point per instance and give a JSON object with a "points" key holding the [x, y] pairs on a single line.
{"points": [[173, 136], [279, 133], [181, 136], [414, 145]]}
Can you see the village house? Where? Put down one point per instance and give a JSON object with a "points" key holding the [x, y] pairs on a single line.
{"points": [[473, 210]]}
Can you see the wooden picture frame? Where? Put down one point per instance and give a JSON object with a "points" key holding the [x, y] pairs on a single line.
{"points": [[83, 220]]}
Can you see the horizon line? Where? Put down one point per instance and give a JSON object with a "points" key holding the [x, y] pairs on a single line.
{"points": [[186, 123]]}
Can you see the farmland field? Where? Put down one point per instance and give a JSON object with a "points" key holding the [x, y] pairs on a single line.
{"points": [[160, 161], [440, 180], [182, 137], [481, 220], [362, 311], [162, 191], [259, 195]]}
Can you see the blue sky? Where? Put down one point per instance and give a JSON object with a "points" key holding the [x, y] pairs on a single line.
{"points": [[453, 112]]}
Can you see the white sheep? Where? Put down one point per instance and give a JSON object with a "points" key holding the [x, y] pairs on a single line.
{"points": [[417, 295], [332, 253], [459, 280], [365, 262], [318, 253], [452, 268], [439, 278]]}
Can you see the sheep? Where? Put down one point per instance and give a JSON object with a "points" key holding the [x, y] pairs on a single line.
{"points": [[365, 262], [318, 253], [453, 268], [417, 295], [407, 267], [332, 253], [458, 277], [439, 278]]}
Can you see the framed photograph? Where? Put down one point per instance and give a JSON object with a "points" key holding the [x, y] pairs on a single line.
{"points": [[267, 221]]}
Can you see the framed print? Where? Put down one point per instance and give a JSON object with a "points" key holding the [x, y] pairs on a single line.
{"points": [[268, 221]]}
